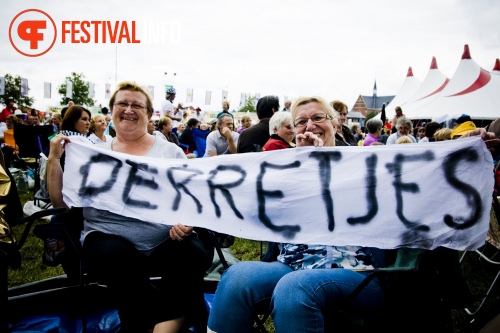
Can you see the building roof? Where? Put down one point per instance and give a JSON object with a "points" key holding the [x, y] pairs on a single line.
{"points": [[376, 102]]}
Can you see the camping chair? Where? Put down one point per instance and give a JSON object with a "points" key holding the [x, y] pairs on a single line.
{"points": [[31, 141], [10, 245], [488, 253], [416, 277], [68, 227]]}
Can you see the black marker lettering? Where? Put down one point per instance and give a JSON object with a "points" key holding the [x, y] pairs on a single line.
{"points": [[182, 185], [371, 190], [90, 190], [134, 179], [223, 187]]}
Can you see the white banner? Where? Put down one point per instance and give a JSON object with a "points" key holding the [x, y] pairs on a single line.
{"points": [[91, 90], [421, 195], [208, 97], [107, 91], [47, 90], [189, 95], [69, 89], [2, 85], [24, 87]]}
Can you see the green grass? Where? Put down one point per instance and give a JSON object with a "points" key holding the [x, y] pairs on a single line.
{"points": [[477, 273]]}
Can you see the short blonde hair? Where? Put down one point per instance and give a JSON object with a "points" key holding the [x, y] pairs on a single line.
{"points": [[321, 101], [442, 134], [403, 139]]}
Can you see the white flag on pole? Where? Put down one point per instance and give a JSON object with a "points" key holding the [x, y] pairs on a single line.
{"points": [[2, 85], [208, 97], [151, 91], [107, 92], [224, 96], [47, 90], [243, 98], [24, 87], [189, 95], [69, 89], [91, 90]]}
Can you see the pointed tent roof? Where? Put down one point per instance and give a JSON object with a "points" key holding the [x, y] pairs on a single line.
{"points": [[433, 84], [409, 87], [496, 69], [472, 90]]}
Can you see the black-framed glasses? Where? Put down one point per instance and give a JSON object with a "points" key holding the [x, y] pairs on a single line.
{"points": [[134, 106], [318, 118]]}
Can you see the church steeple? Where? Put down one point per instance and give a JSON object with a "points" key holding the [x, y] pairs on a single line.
{"points": [[375, 89]]}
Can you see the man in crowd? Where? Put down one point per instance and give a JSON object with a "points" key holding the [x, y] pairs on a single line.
{"points": [[223, 140], [8, 110], [168, 109]]}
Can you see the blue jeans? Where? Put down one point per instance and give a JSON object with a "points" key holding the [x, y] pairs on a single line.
{"points": [[296, 298]]}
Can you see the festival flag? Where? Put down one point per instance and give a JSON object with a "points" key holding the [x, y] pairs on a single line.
{"points": [[257, 96], [24, 87], [107, 92], [91, 90], [47, 90], [189, 95], [2, 85], [243, 99], [69, 89], [224, 96], [151, 91], [208, 97]]}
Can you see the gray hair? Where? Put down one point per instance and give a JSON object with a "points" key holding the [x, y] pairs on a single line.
{"points": [[405, 121], [373, 125], [278, 119]]}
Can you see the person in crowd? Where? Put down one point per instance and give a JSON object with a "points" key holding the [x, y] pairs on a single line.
{"points": [[98, 126], [374, 127], [343, 132], [254, 138], [403, 139], [358, 134], [225, 109], [69, 102], [281, 130], [165, 131], [429, 129], [198, 115], [420, 133], [76, 121], [56, 121], [185, 117], [204, 126], [443, 134], [297, 291], [288, 104], [399, 114], [180, 128], [246, 122], [167, 108], [187, 136], [464, 125], [213, 125], [404, 126], [8, 110], [152, 127], [387, 127], [223, 140], [123, 251]]}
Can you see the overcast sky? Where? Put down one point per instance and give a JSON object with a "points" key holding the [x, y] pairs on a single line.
{"points": [[332, 48]]}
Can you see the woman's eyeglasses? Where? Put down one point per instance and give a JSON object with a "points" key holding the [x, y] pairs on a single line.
{"points": [[124, 105], [319, 118]]}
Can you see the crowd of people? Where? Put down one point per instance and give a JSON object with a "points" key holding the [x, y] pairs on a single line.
{"points": [[122, 251]]}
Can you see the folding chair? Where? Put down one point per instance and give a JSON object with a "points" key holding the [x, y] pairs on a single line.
{"points": [[489, 253], [31, 141], [9, 243]]}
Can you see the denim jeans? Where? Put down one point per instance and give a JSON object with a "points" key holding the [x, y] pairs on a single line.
{"points": [[296, 298]]}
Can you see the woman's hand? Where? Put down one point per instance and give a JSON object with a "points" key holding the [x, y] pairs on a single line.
{"points": [[308, 139], [179, 232], [57, 145]]}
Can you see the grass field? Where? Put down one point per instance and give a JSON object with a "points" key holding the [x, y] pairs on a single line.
{"points": [[478, 274]]}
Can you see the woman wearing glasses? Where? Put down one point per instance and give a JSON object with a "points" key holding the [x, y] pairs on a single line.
{"points": [[123, 252], [304, 280]]}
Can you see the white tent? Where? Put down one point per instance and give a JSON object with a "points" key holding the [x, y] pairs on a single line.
{"points": [[472, 90], [433, 84], [410, 85]]}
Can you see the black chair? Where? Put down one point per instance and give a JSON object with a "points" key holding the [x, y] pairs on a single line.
{"points": [[31, 141], [10, 255]]}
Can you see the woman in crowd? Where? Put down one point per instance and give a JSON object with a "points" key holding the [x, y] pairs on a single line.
{"points": [[246, 122], [443, 134], [98, 126], [343, 132], [121, 251], [281, 130], [404, 126], [429, 129], [165, 130], [296, 290], [187, 136], [374, 127], [180, 129]]}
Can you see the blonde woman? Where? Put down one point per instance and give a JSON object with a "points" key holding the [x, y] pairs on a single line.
{"points": [[98, 126]]}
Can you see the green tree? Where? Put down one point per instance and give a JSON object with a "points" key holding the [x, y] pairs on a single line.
{"points": [[80, 90], [370, 115], [249, 104], [13, 89]]}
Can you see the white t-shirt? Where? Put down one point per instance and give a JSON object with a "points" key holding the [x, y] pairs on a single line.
{"points": [[167, 109]]}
